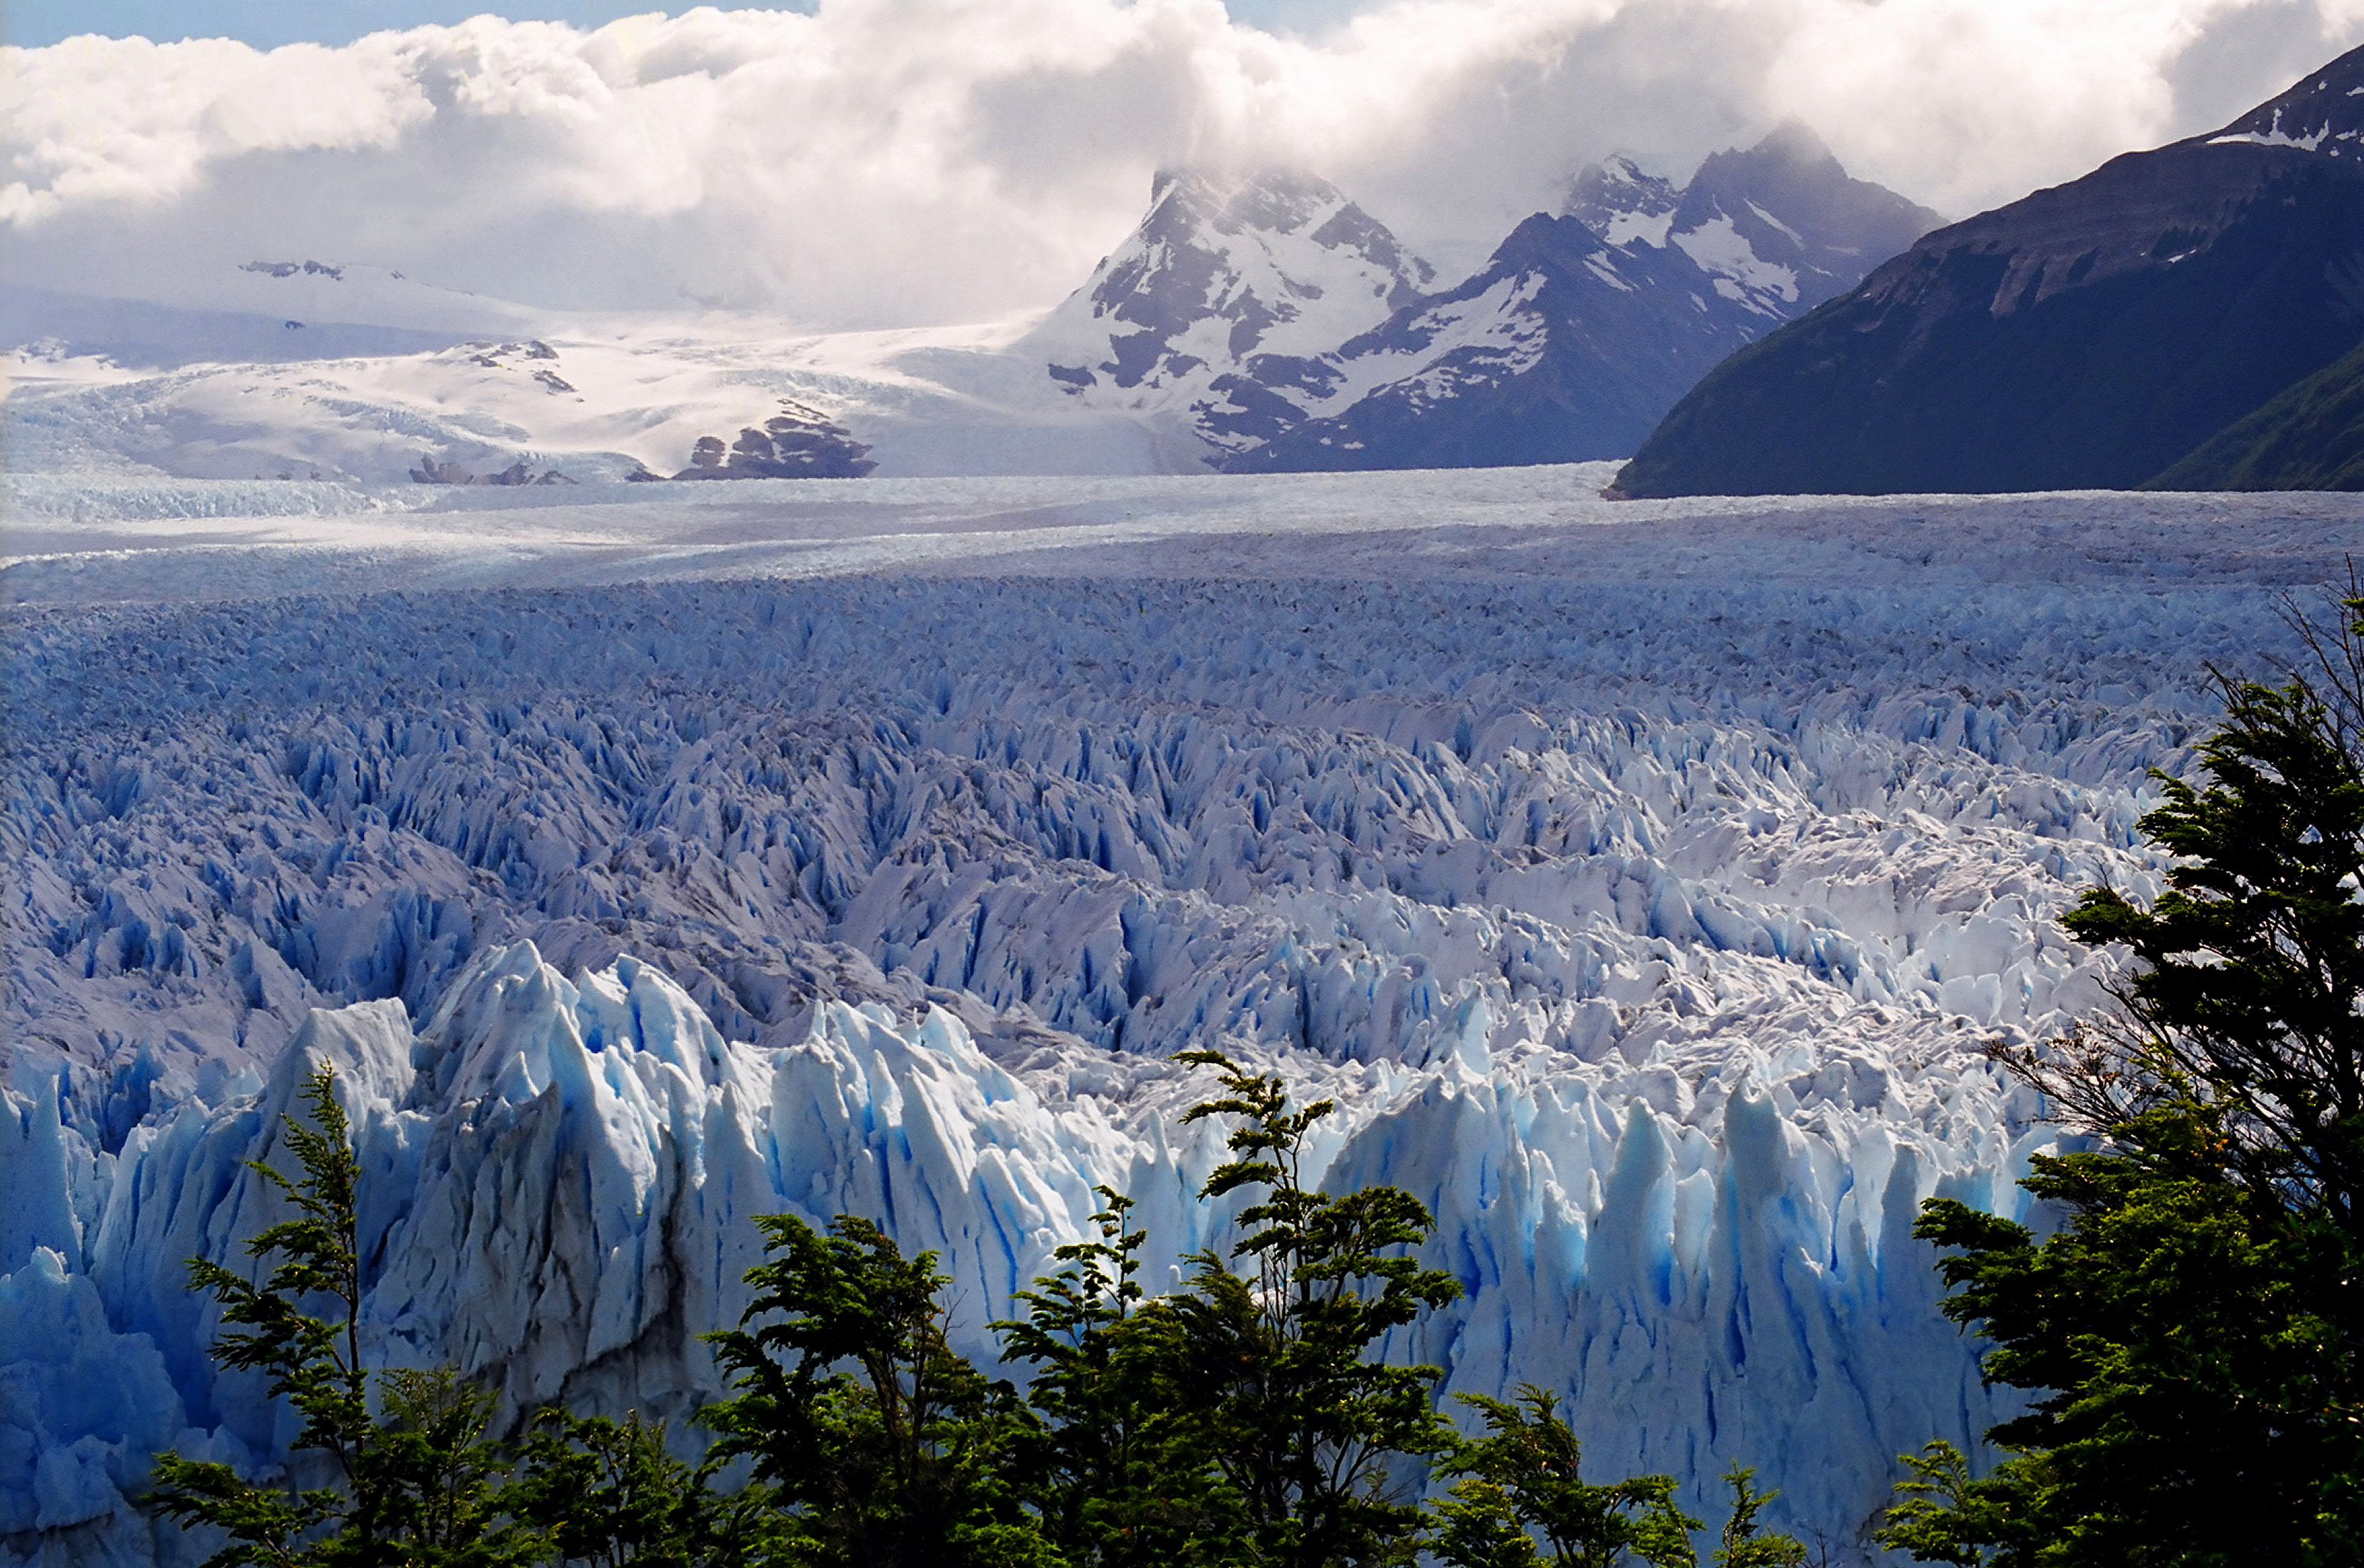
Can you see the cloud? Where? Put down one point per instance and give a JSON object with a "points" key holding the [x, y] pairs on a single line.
{"points": [[890, 161]]}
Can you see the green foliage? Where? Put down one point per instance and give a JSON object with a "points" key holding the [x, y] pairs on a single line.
{"points": [[2309, 435], [876, 1440], [1745, 1544], [438, 1478], [1123, 1474], [1522, 1499], [2190, 1333], [1248, 1419], [412, 1483], [314, 1363], [607, 1494], [2193, 1403], [1943, 1515], [1304, 1422], [2252, 964]]}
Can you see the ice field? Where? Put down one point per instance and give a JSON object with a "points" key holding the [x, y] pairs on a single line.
{"points": [[1642, 878]]}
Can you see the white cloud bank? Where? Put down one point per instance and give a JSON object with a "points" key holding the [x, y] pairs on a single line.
{"points": [[889, 161]]}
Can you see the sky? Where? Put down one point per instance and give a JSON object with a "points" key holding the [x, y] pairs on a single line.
{"points": [[898, 162], [268, 24]]}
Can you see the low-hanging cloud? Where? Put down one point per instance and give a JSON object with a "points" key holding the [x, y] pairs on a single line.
{"points": [[891, 161]]}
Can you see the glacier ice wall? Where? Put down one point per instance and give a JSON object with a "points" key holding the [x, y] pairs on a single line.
{"points": [[561, 1176], [1642, 890]]}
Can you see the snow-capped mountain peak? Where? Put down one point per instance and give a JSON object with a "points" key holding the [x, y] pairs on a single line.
{"points": [[1778, 228], [1782, 225], [1624, 203], [1227, 276], [1583, 329]]}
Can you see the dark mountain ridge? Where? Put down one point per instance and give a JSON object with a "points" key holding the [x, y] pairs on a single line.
{"points": [[2088, 336]]}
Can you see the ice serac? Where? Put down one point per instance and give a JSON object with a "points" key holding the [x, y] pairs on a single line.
{"points": [[1214, 314], [2091, 335], [1585, 328], [561, 1176]]}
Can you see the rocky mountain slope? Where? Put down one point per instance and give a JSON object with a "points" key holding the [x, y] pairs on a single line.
{"points": [[2090, 335], [2311, 436]]}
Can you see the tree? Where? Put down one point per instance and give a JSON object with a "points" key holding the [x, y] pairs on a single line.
{"points": [[2191, 1332], [411, 1484], [1125, 1476], [2250, 982], [2192, 1399], [1944, 1515], [1305, 1424], [606, 1493], [1745, 1544], [877, 1441], [1524, 1480]]}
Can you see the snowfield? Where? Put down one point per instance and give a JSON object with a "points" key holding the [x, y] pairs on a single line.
{"points": [[1642, 879]]}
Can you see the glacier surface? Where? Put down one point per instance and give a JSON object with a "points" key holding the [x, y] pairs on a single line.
{"points": [[1643, 880]]}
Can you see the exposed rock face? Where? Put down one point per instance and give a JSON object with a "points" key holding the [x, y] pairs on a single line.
{"points": [[1563, 350], [799, 442], [1585, 328], [297, 269], [1781, 227], [430, 470], [2090, 335]]}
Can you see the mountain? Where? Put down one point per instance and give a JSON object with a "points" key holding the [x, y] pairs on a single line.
{"points": [[2309, 437], [1781, 227], [1564, 349], [1262, 321], [1584, 329], [322, 387], [1213, 315], [2090, 335]]}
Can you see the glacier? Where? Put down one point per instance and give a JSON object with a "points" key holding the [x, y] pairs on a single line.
{"points": [[1643, 880]]}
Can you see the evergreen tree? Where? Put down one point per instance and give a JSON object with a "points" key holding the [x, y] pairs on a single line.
{"points": [[876, 1441], [1125, 1473], [2192, 1332], [1745, 1544], [1306, 1425], [412, 1483], [606, 1493], [1523, 1500]]}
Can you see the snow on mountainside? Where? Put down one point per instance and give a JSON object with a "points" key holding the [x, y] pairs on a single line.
{"points": [[1584, 329], [1215, 313], [1562, 350], [1260, 321], [1645, 914], [1781, 227], [2323, 112], [102, 386], [1623, 203]]}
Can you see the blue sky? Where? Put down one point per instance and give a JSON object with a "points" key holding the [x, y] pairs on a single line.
{"points": [[269, 23]]}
